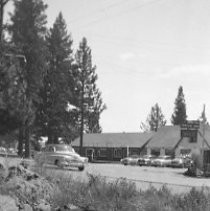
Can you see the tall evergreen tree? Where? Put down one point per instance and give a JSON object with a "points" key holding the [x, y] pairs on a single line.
{"points": [[154, 120], [28, 31], [56, 93], [10, 63], [2, 6], [179, 116], [203, 117], [89, 100], [9, 120]]}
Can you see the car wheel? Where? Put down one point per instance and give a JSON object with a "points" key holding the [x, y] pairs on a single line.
{"points": [[81, 168], [58, 163]]}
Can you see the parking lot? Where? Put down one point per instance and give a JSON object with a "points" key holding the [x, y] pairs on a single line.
{"points": [[143, 177]]}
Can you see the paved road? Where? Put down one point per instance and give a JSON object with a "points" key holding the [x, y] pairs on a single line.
{"points": [[142, 176]]}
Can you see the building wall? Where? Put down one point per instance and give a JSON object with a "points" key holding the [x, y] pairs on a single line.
{"points": [[109, 153]]}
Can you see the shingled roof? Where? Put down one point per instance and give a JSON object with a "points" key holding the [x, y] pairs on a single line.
{"points": [[166, 136], [169, 137], [114, 139]]}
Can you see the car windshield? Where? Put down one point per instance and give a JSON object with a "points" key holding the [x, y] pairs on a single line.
{"points": [[64, 148], [164, 157]]}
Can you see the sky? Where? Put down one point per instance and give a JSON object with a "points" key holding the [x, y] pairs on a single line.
{"points": [[144, 50]]}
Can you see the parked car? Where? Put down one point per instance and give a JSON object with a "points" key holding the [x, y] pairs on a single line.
{"points": [[178, 162], [11, 151], [146, 160], [181, 161], [62, 156], [162, 161], [130, 160], [3, 150]]}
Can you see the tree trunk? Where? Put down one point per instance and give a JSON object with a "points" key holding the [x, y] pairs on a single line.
{"points": [[82, 120], [49, 134], [20, 141], [27, 142], [1, 19]]}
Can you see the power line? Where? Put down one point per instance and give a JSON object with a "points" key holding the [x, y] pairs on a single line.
{"points": [[149, 44], [95, 12], [121, 13]]}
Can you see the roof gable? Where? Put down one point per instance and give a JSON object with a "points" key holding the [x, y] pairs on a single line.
{"points": [[166, 136], [169, 137]]}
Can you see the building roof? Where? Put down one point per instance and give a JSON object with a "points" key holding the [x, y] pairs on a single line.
{"points": [[166, 137], [170, 137], [114, 139]]}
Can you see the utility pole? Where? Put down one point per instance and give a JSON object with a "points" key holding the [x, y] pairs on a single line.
{"points": [[203, 123], [82, 117]]}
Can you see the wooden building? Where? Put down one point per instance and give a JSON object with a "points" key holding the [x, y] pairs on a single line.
{"points": [[113, 146], [168, 141]]}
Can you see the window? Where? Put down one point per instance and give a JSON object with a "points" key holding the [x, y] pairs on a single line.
{"points": [[192, 139], [102, 152], [155, 152], [134, 151], [117, 153], [185, 151], [89, 152]]}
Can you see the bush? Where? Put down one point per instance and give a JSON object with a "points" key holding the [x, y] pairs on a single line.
{"points": [[95, 194]]}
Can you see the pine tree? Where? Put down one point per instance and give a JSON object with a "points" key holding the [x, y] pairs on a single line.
{"points": [[179, 116], [10, 64], [89, 100], [28, 31], [56, 93], [154, 120], [203, 117], [9, 120], [2, 6]]}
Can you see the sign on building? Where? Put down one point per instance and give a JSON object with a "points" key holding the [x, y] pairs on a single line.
{"points": [[190, 129]]}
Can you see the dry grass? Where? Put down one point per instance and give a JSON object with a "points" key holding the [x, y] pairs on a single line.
{"points": [[100, 194]]}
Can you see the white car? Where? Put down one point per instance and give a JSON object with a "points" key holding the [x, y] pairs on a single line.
{"points": [[162, 161], [130, 160], [3, 150], [62, 156], [146, 160]]}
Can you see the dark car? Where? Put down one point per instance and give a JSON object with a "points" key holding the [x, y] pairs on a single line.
{"points": [[146, 160]]}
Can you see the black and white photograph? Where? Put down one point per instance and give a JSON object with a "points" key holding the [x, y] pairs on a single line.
{"points": [[104, 105]]}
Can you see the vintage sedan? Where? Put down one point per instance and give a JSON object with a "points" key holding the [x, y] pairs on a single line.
{"points": [[62, 156], [181, 162], [130, 160], [146, 160], [162, 161], [178, 162]]}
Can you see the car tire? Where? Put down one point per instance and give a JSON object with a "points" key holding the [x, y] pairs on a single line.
{"points": [[58, 164], [81, 168]]}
